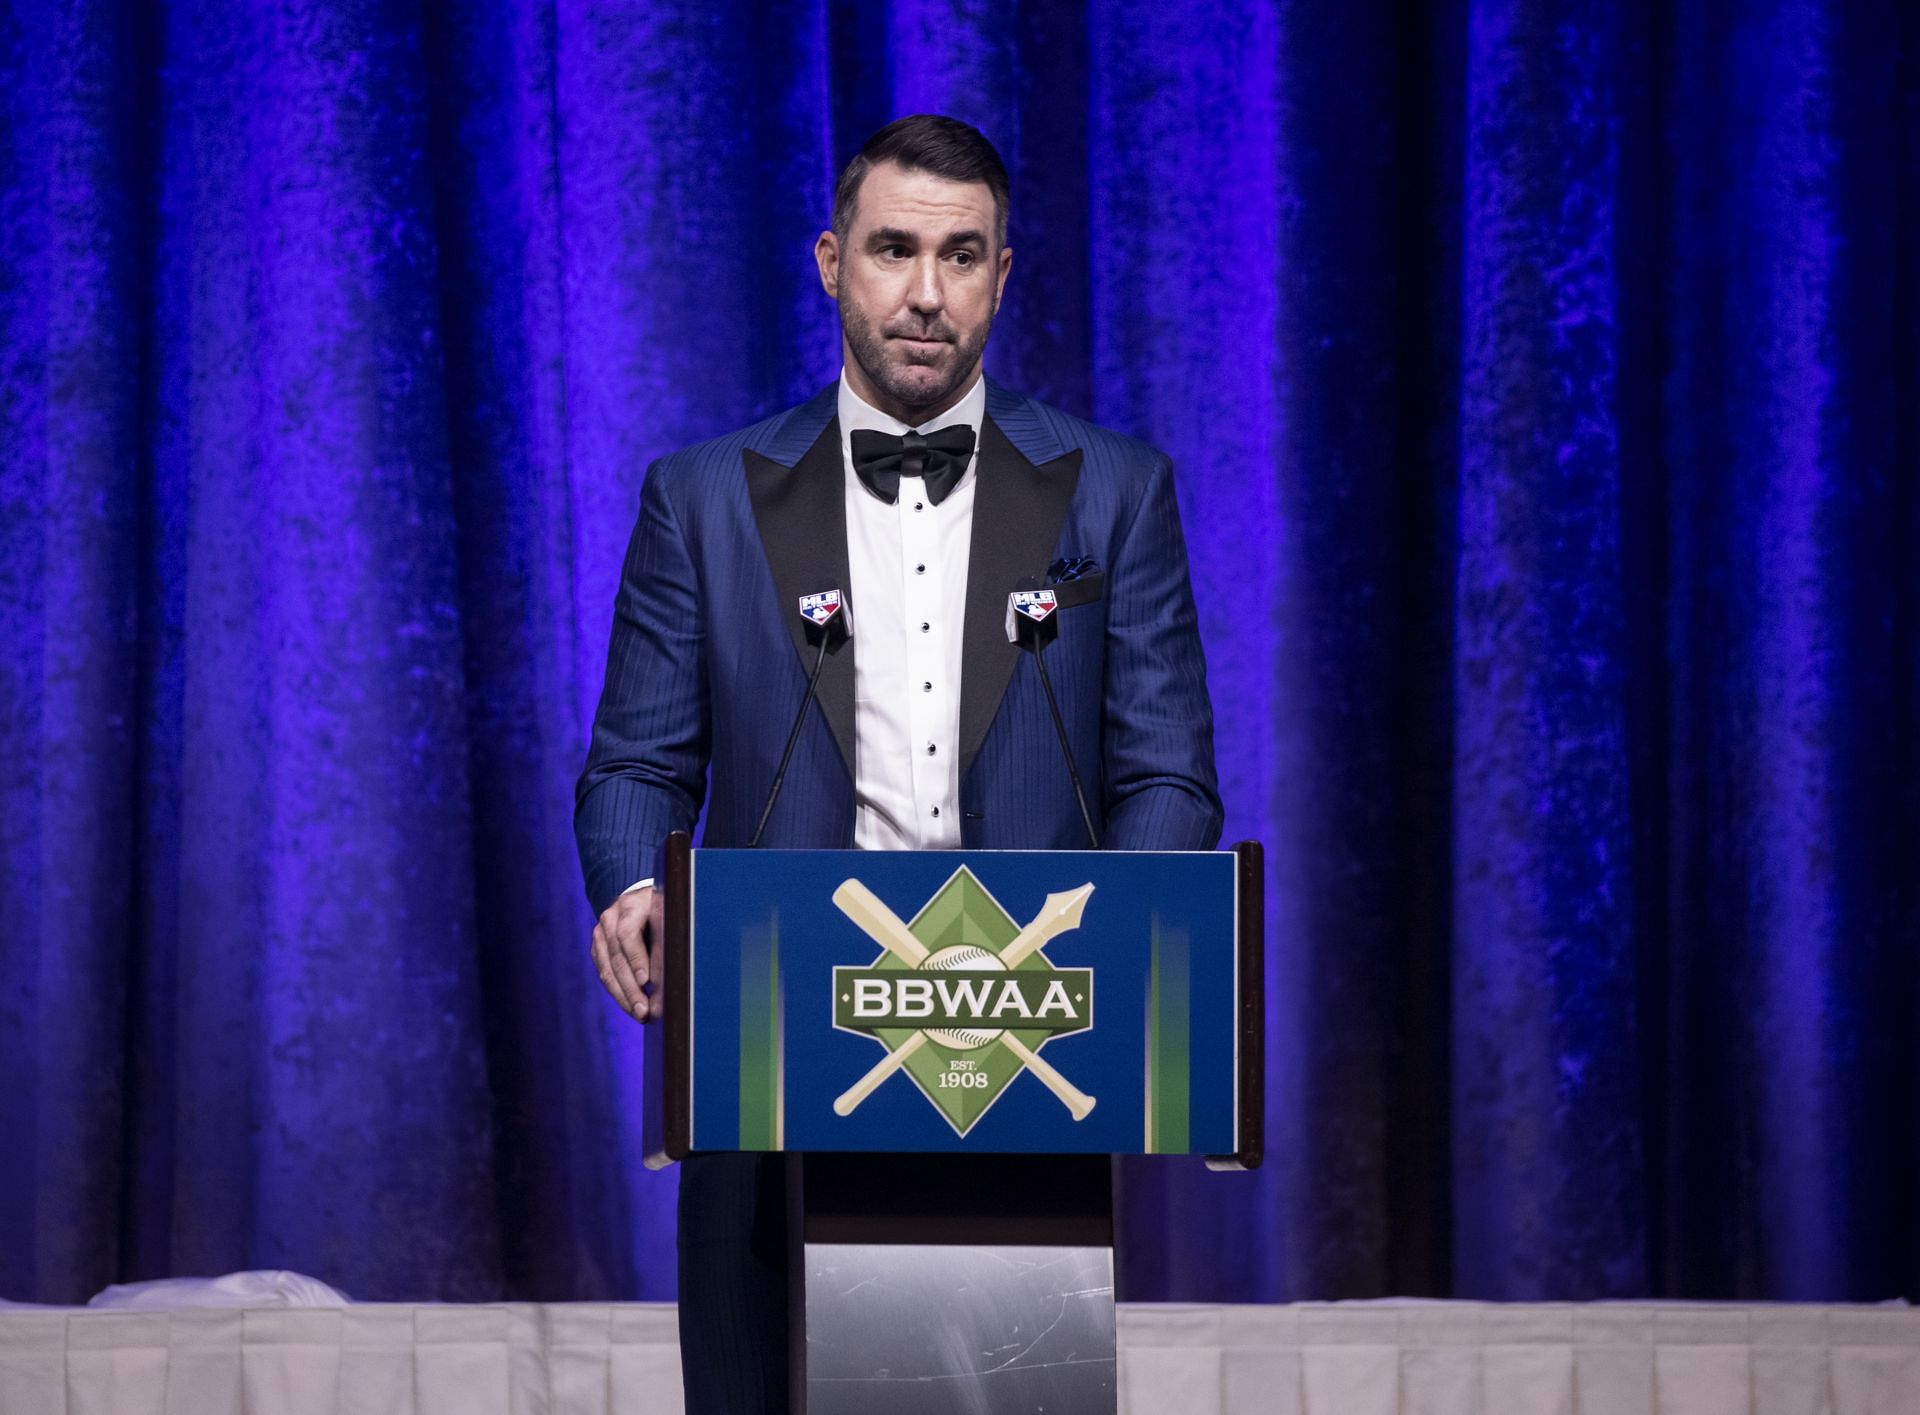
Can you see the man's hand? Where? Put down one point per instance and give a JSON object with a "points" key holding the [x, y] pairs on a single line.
{"points": [[626, 951]]}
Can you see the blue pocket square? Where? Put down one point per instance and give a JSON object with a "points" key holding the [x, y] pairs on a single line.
{"points": [[1069, 568], [1076, 579]]}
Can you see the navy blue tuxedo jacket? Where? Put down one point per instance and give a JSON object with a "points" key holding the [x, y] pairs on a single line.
{"points": [[708, 658]]}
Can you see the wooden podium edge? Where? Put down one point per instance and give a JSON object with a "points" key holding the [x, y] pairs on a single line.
{"points": [[1250, 946], [667, 1118]]}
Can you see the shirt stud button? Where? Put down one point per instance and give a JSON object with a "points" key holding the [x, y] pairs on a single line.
{"points": [[926, 687], [936, 810], [924, 627], [919, 569], [929, 749], [918, 507]]}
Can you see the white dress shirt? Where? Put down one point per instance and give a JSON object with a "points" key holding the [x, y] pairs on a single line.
{"points": [[907, 571]]}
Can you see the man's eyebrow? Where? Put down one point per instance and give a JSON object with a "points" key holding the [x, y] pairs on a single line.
{"points": [[894, 236]]}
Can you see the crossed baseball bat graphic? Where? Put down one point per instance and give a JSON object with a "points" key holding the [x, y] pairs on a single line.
{"points": [[1060, 913]]}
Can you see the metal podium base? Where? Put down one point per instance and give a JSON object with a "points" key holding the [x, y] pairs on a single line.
{"points": [[933, 1330], [938, 1286]]}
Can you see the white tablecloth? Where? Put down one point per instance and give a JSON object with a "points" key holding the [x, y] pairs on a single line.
{"points": [[1468, 1358], [1333, 1359]]}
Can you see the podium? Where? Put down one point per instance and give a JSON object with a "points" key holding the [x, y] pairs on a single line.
{"points": [[949, 1047]]}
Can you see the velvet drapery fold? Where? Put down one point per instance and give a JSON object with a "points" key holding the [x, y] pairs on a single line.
{"points": [[1542, 385]]}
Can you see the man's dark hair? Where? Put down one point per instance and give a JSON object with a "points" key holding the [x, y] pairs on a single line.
{"points": [[926, 142]]}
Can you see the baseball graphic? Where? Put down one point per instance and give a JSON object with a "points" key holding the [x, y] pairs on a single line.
{"points": [[970, 958], [1061, 912]]}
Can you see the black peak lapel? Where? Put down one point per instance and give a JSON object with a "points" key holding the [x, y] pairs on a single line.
{"points": [[1018, 510], [802, 515]]}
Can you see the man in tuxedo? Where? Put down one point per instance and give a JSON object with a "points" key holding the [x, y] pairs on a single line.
{"points": [[926, 493]]}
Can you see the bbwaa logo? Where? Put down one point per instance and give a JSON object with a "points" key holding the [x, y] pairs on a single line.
{"points": [[962, 998], [819, 608], [1035, 604]]}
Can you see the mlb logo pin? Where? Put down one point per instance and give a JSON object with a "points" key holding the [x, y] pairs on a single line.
{"points": [[819, 609], [1037, 605], [1030, 620]]}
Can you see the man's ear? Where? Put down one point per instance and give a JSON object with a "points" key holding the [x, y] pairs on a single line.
{"points": [[826, 255], [1005, 263]]}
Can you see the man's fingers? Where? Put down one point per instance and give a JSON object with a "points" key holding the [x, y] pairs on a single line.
{"points": [[632, 945], [621, 959], [620, 953], [629, 930], [614, 977], [603, 964], [630, 990]]}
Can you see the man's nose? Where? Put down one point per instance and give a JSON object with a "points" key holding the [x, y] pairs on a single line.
{"points": [[925, 295]]}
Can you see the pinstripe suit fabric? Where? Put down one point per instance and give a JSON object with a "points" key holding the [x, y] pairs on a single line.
{"points": [[703, 674], [701, 670]]}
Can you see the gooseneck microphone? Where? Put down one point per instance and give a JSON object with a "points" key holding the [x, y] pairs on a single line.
{"points": [[1031, 624], [829, 625]]}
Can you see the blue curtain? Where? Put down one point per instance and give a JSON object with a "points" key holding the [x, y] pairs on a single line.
{"points": [[1544, 389]]}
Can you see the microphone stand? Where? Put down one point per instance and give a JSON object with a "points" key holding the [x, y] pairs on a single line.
{"points": [[780, 776], [1060, 727], [1033, 630]]}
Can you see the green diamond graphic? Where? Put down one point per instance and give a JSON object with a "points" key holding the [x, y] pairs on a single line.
{"points": [[964, 1069]]}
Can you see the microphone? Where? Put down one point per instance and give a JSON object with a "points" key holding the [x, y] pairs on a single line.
{"points": [[1031, 624], [829, 624]]}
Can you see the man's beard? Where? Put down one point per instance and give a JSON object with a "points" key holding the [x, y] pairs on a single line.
{"points": [[869, 347]]}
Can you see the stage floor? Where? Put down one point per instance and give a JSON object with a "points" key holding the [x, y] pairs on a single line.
{"points": [[1386, 1358]]}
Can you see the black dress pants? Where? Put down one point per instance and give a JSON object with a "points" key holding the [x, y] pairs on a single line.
{"points": [[733, 1283]]}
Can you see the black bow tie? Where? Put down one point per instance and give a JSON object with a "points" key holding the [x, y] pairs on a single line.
{"points": [[880, 459]]}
